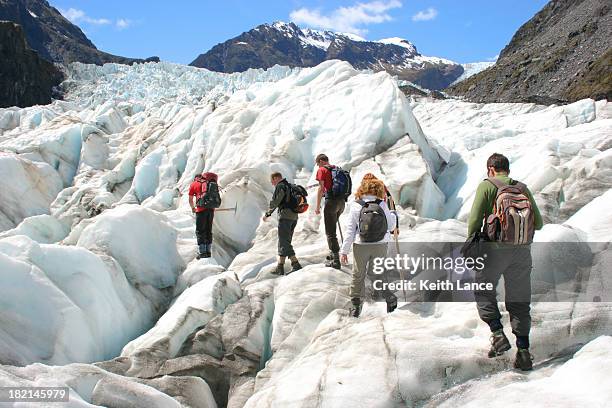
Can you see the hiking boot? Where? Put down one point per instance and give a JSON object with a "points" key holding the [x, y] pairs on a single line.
{"points": [[334, 262], [295, 266], [280, 270], [523, 360], [355, 311], [204, 251], [499, 344], [201, 251], [391, 303]]}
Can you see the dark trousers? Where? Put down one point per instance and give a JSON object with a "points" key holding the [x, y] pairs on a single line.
{"points": [[204, 223], [334, 207], [285, 236], [514, 263]]}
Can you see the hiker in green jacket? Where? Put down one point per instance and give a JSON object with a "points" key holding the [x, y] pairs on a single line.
{"points": [[287, 220], [512, 261]]}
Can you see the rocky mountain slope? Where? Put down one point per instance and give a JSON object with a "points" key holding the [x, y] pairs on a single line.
{"points": [[564, 53], [25, 78], [287, 44], [54, 37]]}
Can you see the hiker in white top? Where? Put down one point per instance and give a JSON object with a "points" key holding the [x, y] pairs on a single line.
{"points": [[368, 233]]}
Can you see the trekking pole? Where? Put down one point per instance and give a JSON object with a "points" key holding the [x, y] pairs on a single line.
{"points": [[340, 229], [234, 209], [401, 271]]}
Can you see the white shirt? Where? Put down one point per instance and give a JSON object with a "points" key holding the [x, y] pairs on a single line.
{"points": [[353, 223]]}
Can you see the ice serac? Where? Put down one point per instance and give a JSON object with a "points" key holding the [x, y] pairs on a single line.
{"points": [[64, 304], [44, 229], [561, 152], [595, 219], [147, 251], [28, 188], [286, 124]]}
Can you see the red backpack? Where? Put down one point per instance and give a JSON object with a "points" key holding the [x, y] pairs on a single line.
{"points": [[208, 196]]}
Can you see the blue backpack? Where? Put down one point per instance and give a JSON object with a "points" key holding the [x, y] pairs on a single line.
{"points": [[341, 183]]}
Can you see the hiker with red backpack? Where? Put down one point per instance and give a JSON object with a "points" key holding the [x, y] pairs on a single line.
{"points": [[290, 199], [204, 198], [335, 186], [368, 234], [510, 216]]}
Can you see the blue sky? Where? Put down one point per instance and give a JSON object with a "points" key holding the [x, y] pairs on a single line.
{"points": [[460, 30]]}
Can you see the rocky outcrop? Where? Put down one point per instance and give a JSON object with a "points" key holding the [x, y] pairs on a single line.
{"points": [[55, 38], [287, 44], [562, 54], [25, 78]]}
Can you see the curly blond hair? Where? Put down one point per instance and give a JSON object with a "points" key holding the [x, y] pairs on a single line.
{"points": [[371, 186]]}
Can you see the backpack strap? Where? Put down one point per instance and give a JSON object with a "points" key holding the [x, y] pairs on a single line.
{"points": [[496, 182], [521, 186], [500, 184], [364, 204], [284, 184]]}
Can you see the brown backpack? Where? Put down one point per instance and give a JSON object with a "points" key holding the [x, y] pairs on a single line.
{"points": [[512, 220]]}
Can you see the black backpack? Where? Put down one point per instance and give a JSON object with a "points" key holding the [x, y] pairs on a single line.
{"points": [[372, 221], [211, 198], [341, 183], [296, 198]]}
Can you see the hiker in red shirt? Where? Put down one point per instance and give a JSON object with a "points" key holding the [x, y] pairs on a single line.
{"points": [[334, 203], [203, 199]]}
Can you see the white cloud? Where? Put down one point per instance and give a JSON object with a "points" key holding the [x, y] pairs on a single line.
{"points": [[493, 59], [123, 23], [425, 15], [347, 19], [78, 16]]}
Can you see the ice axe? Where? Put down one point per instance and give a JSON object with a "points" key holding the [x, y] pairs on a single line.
{"points": [[234, 209]]}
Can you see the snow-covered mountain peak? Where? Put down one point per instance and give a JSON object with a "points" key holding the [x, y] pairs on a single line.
{"points": [[285, 43], [399, 42], [308, 36]]}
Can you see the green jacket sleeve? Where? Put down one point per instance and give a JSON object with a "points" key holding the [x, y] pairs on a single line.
{"points": [[537, 217], [477, 213], [277, 199]]}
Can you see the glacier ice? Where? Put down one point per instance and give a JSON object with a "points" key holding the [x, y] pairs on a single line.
{"points": [[23, 178], [64, 304], [98, 264], [575, 382]]}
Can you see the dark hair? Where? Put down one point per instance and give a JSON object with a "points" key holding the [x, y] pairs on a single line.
{"points": [[276, 175], [321, 157], [499, 162]]}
